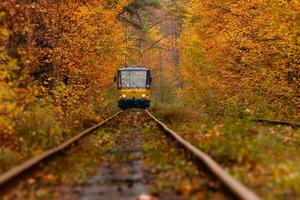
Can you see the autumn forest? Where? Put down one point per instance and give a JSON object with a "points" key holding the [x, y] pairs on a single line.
{"points": [[216, 65]]}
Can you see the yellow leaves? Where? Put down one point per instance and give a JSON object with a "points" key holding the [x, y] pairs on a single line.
{"points": [[287, 176], [249, 111], [228, 46], [92, 43], [7, 64], [4, 33], [54, 89], [2, 14], [186, 188], [6, 126]]}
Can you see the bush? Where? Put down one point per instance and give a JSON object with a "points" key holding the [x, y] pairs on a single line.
{"points": [[8, 158], [39, 128]]}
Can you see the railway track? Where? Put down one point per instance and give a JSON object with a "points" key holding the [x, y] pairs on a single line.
{"points": [[235, 187], [268, 121], [275, 122], [241, 191]]}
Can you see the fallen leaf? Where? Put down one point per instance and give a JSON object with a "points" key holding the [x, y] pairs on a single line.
{"points": [[146, 197], [31, 181], [50, 178]]}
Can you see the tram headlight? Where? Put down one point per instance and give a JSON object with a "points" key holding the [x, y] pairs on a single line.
{"points": [[143, 95], [123, 95]]}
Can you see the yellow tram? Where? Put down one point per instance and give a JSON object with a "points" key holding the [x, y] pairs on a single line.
{"points": [[133, 87]]}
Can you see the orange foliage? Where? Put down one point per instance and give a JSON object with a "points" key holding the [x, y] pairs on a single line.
{"points": [[242, 56], [55, 57]]}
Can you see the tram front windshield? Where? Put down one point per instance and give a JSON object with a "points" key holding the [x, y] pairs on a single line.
{"points": [[133, 79]]}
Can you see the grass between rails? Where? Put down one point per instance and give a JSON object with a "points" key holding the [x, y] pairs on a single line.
{"points": [[264, 157]]}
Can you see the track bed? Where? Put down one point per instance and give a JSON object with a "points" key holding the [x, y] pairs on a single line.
{"points": [[130, 157]]}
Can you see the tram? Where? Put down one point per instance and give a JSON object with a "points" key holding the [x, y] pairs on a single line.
{"points": [[133, 85]]}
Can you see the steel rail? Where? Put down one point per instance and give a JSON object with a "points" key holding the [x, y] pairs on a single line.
{"points": [[287, 123], [18, 170], [231, 183], [263, 120]]}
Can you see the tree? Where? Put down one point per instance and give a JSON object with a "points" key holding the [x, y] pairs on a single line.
{"points": [[56, 60], [238, 55]]}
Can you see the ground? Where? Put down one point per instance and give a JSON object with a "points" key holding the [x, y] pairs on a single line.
{"points": [[129, 158]]}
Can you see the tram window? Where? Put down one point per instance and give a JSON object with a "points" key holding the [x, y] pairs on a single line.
{"points": [[133, 79]]}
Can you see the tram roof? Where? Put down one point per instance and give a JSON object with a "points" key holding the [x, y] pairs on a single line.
{"points": [[133, 68]]}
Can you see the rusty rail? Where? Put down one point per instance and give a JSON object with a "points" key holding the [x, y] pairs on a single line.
{"points": [[231, 183], [263, 120], [18, 170], [286, 123]]}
